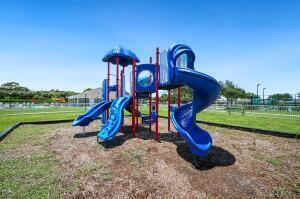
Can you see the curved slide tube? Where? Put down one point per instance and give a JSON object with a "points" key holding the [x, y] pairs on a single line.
{"points": [[92, 114], [113, 124], [205, 92]]}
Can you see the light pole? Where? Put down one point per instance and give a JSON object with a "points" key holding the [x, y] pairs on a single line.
{"points": [[257, 89], [84, 102], [264, 95]]}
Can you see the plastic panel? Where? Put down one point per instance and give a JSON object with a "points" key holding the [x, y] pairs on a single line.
{"points": [[163, 69]]}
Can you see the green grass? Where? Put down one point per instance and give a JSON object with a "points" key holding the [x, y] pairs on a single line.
{"points": [[273, 161], [253, 121], [134, 156], [28, 175], [31, 177], [30, 169], [249, 120], [36, 110], [282, 124], [7, 121]]}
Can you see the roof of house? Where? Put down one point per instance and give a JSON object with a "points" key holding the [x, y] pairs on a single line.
{"points": [[92, 94]]}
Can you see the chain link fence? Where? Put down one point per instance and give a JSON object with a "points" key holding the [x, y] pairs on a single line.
{"points": [[289, 112]]}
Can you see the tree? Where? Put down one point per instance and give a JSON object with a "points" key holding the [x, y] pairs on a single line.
{"points": [[14, 90], [163, 98], [87, 89], [282, 97], [233, 92], [186, 95]]}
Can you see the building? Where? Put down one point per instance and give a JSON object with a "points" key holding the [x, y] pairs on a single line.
{"points": [[90, 97]]}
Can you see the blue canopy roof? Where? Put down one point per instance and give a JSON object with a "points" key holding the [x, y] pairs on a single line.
{"points": [[125, 56]]}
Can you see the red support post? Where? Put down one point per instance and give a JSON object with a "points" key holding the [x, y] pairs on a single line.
{"points": [[137, 111], [121, 94], [178, 102], [178, 96], [107, 87], [150, 104], [123, 86], [133, 99], [156, 91], [169, 96], [117, 77]]}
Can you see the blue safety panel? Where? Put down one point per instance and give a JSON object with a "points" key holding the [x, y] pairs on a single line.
{"points": [[145, 78], [205, 91], [125, 55], [146, 118]]}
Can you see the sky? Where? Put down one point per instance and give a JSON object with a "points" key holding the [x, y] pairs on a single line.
{"points": [[60, 43]]}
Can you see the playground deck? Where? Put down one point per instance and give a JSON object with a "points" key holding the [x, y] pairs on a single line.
{"points": [[54, 160]]}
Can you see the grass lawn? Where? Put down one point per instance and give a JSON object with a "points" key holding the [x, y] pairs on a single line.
{"points": [[31, 175], [261, 122], [35, 110], [55, 114], [249, 120]]}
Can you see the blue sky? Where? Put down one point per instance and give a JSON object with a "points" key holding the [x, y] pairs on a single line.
{"points": [[60, 43]]}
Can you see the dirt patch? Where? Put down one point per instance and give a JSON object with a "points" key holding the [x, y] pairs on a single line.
{"points": [[240, 164]]}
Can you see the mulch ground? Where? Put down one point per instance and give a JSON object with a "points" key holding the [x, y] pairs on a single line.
{"points": [[240, 164]]}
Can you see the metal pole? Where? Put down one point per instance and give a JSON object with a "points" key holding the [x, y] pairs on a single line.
{"points": [[137, 111], [133, 99], [157, 97], [263, 96], [257, 89], [178, 97], [178, 102], [84, 102], [122, 71], [117, 77], [123, 88], [169, 99], [150, 104], [150, 110], [107, 88]]}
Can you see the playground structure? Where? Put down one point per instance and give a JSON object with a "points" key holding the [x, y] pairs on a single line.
{"points": [[173, 68]]}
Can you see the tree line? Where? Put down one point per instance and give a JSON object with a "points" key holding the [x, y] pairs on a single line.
{"points": [[14, 92], [229, 90]]}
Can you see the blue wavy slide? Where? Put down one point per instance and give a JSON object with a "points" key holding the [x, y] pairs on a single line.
{"points": [[205, 91], [113, 124], [91, 115]]}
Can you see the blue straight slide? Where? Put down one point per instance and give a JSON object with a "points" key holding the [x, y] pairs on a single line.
{"points": [[205, 91], [113, 124], [92, 114]]}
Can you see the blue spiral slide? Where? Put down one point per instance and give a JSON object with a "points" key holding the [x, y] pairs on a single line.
{"points": [[114, 122], [91, 115], [205, 91]]}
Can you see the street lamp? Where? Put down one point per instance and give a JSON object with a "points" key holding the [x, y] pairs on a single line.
{"points": [[84, 102], [257, 89], [264, 95]]}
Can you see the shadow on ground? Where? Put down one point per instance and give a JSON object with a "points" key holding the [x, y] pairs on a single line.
{"points": [[216, 157], [85, 135]]}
